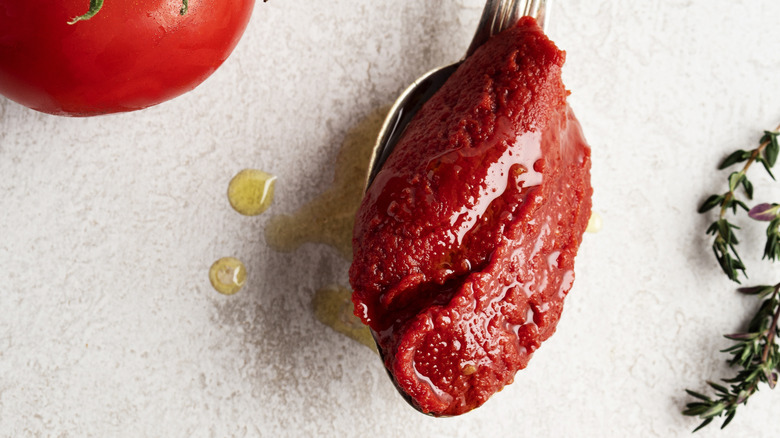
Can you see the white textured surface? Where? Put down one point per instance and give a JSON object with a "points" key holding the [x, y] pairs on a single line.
{"points": [[108, 326]]}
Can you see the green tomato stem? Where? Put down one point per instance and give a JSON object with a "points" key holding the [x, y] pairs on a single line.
{"points": [[94, 7]]}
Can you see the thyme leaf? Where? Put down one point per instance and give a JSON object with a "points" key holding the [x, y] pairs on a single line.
{"points": [[755, 352], [725, 239], [757, 355]]}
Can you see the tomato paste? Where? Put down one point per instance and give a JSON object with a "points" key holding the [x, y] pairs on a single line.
{"points": [[464, 243]]}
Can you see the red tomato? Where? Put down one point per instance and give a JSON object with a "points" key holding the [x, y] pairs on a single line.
{"points": [[132, 54]]}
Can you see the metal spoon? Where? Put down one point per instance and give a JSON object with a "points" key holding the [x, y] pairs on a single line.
{"points": [[497, 16]]}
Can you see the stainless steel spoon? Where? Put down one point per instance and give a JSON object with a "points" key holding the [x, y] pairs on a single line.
{"points": [[497, 16]]}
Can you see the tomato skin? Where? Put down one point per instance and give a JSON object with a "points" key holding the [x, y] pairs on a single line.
{"points": [[131, 55]]}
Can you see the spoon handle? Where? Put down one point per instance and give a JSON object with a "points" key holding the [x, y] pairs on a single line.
{"points": [[502, 14]]}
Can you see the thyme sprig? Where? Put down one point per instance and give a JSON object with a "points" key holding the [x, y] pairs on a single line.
{"points": [[725, 241], [755, 351]]}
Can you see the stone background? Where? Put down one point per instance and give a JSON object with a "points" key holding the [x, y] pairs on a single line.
{"points": [[108, 225]]}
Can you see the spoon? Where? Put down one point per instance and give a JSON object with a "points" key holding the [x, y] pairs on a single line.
{"points": [[497, 16]]}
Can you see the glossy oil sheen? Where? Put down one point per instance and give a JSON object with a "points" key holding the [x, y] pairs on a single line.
{"points": [[464, 244], [333, 307], [251, 191], [227, 275]]}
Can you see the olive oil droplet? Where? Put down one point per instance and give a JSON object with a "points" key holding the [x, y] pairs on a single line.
{"points": [[251, 191], [227, 275], [329, 218], [594, 223], [333, 307]]}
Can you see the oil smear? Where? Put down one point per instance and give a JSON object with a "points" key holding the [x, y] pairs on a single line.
{"points": [[330, 217], [594, 223], [333, 307], [227, 275], [251, 191]]}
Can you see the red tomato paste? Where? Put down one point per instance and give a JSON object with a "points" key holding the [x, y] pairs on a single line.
{"points": [[464, 244]]}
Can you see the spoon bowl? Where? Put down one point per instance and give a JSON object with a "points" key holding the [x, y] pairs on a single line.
{"points": [[497, 16]]}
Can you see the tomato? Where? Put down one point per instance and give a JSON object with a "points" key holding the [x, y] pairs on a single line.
{"points": [[130, 55]]}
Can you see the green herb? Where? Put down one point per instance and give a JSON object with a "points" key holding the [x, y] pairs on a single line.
{"points": [[755, 352], [725, 242]]}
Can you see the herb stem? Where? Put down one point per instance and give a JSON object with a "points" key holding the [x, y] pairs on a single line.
{"points": [[728, 196], [770, 339], [755, 154], [755, 351]]}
